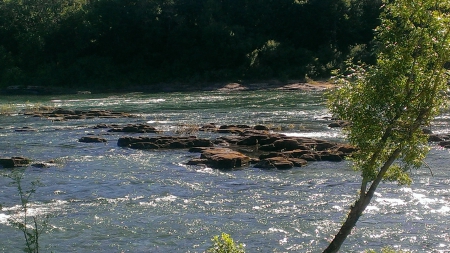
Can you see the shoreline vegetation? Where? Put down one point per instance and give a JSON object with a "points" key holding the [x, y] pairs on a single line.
{"points": [[126, 45], [291, 85]]}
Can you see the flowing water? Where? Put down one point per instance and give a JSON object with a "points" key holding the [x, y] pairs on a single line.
{"points": [[103, 198]]}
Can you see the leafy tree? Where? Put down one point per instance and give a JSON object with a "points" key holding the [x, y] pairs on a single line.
{"points": [[389, 103]]}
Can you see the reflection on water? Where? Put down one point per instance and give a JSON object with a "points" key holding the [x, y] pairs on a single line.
{"points": [[103, 198]]}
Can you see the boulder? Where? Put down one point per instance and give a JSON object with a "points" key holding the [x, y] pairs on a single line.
{"points": [[286, 144], [298, 162], [280, 163], [261, 128], [253, 139], [222, 158]]}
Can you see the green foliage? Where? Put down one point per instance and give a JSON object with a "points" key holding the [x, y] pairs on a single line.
{"points": [[225, 244], [118, 42], [389, 102], [32, 227]]}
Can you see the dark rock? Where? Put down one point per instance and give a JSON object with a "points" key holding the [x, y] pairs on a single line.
{"points": [[144, 145], [224, 158], [339, 123], [261, 127], [67, 117], [66, 114], [346, 149], [297, 153], [271, 154], [197, 161], [268, 147], [169, 142], [427, 131], [92, 139], [435, 138], [298, 162], [309, 157], [137, 128], [101, 126], [320, 146], [25, 129], [211, 127], [63, 111], [445, 144], [330, 156], [15, 161], [280, 163], [286, 144], [233, 128], [253, 139]]}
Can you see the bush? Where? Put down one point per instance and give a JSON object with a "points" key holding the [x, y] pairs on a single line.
{"points": [[225, 244]]}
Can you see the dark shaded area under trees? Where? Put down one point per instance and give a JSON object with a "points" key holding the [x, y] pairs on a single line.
{"points": [[117, 43]]}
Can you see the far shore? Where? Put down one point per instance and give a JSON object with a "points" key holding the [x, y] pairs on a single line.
{"points": [[292, 85]]}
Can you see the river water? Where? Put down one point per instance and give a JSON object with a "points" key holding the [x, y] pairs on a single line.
{"points": [[103, 198]]}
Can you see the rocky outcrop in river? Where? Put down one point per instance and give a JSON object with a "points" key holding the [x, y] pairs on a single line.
{"points": [[15, 161], [163, 142]]}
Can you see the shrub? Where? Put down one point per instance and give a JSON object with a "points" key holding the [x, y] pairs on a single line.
{"points": [[225, 244]]}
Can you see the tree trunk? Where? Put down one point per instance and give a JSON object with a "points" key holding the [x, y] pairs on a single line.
{"points": [[355, 212], [360, 205]]}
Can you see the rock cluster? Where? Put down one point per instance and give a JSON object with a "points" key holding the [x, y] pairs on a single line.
{"points": [[283, 152], [135, 128], [443, 140], [163, 142]]}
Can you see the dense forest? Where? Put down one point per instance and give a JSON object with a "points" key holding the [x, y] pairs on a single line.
{"points": [[117, 43]]}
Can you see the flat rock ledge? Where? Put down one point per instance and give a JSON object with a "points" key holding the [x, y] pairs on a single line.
{"points": [[61, 114], [13, 162], [220, 158]]}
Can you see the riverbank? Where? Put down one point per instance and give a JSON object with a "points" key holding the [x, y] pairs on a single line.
{"points": [[291, 85]]}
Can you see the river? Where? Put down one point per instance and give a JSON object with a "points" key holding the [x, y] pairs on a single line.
{"points": [[103, 198]]}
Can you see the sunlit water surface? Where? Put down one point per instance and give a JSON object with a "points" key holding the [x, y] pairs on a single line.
{"points": [[102, 198]]}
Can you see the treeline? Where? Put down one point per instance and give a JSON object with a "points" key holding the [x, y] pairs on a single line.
{"points": [[115, 43]]}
